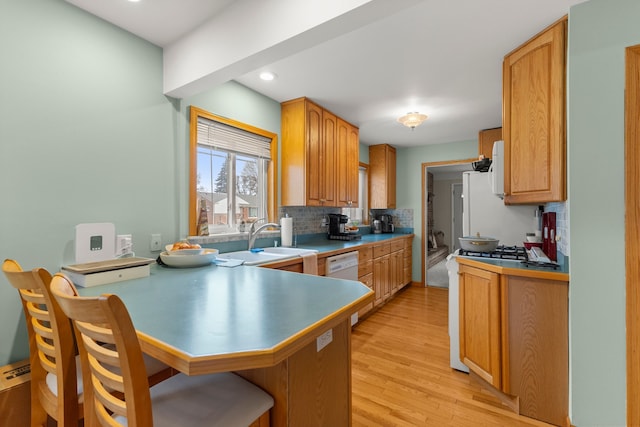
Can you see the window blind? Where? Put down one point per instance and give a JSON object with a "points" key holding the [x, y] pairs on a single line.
{"points": [[221, 136]]}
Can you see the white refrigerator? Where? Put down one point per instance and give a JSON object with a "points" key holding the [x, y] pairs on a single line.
{"points": [[485, 213]]}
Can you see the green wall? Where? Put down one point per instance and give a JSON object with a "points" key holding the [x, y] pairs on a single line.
{"points": [[599, 31], [409, 183], [86, 135]]}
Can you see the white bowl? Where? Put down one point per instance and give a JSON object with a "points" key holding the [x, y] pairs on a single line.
{"points": [[184, 261], [198, 251], [534, 239]]}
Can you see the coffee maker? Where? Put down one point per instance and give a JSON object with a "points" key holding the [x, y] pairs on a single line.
{"points": [[386, 221], [337, 228]]}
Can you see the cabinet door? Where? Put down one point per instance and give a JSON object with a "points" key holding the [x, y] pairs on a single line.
{"points": [[381, 279], [480, 323], [534, 119], [396, 267], [328, 155], [314, 156], [382, 176], [347, 161]]}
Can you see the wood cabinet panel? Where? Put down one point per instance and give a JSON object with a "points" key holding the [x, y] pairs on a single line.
{"points": [[367, 279], [486, 138], [381, 279], [396, 271], [534, 119], [536, 322], [319, 156], [381, 249], [365, 268], [347, 159], [479, 306], [365, 254], [382, 176]]}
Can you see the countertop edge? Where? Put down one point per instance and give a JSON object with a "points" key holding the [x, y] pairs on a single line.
{"points": [[521, 272]]}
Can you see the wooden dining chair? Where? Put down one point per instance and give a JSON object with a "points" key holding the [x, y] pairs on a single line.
{"points": [[53, 353], [223, 399], [55, 383]]}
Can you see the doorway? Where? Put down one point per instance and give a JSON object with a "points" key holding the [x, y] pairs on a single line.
{"points": [[437, 221]]}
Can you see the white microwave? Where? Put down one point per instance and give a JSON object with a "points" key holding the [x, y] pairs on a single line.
{"points": [[496, 170]]}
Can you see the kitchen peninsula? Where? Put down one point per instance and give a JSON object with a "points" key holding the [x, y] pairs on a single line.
{"points": [[287, 332]]}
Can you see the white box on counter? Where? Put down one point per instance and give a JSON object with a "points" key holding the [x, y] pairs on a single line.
{"points": [[110, 271]]}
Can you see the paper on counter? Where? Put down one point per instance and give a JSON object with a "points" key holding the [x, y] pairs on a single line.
{"points": [[228, 262]]}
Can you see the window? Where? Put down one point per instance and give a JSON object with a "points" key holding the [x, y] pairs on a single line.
{"points": [[360, 215], [231, 172]]}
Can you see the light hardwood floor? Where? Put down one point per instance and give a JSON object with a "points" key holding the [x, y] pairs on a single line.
{"points": [[401, 374]]}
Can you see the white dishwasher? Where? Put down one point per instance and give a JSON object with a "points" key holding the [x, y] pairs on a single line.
{"points": [[344, 266]]}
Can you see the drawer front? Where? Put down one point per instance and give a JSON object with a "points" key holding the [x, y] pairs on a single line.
{"points": [[397, 245], [408, 243], [365, 254], [365, 268], [367, 280], [381, 250]]}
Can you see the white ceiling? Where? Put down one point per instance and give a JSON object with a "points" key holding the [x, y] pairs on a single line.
{"points": [[441, 58]]}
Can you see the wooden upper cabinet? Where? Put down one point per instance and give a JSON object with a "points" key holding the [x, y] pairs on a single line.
{"points": [[311, 160], [348, 163], [534, 118], [486, 138], [382, 175]]}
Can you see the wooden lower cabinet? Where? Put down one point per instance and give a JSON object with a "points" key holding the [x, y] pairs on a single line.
{"points": [[537, 347], [514, 335], [407, 260], [381, 279], [310, 387], [365, 273], [480, 323], [384, 267]]}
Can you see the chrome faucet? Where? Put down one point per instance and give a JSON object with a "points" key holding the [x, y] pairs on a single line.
{"points": [[253, 231]]}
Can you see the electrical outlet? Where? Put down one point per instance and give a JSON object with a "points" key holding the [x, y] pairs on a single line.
{"points": [[156, 242], [323, 340]]}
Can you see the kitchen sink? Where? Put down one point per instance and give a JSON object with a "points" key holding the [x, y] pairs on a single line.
{"points": [[288, 251], [264, 256]]}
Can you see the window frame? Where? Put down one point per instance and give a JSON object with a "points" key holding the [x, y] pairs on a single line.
{"points": [[272, 194]]}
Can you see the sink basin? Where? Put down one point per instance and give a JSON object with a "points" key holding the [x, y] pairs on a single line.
{"points": [[288, 251], [266, 255]]}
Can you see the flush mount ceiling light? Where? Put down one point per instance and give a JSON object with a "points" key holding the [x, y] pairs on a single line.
{"points": [[411, 120], [267, 76]]}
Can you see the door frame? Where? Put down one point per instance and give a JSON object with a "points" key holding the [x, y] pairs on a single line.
{"points": [[425, 244], [453, 214], [632, 229]]}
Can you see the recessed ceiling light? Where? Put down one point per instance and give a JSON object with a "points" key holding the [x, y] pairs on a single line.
{"points": [[267, 76]]}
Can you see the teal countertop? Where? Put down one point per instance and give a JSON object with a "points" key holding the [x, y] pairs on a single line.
{"points": [[519, 269], [213, 311]]}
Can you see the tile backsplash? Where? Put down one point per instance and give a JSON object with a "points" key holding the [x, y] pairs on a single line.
{"points": [[306, 221], [562, 224]]}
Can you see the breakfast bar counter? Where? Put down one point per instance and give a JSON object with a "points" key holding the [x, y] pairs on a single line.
{"points": [[289, 333]]}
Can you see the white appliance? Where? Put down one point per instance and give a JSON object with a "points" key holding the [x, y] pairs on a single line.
{"points": [[484, 213], [496, 170], [454, 319], [344, 266]]}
